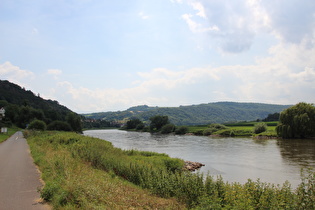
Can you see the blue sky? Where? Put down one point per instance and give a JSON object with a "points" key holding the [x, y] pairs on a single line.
{"points": [[96, 56]]}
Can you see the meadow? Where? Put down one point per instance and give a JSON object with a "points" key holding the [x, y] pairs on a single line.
{"points": [[237, 129], [88, 173]]}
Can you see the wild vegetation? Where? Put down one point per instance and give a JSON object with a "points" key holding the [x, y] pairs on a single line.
{"points": [[22, 107], [88, 173]]}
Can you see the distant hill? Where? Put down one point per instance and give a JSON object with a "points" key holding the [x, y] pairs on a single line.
{"points": [[13, 97], [219, 112]]}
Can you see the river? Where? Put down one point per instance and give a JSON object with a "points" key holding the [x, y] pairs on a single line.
{"points": [[235, 159]]}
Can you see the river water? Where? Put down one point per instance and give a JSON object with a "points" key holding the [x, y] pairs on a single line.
{"points": [[235, 159]]}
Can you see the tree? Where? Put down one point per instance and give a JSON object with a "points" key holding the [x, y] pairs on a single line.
{"points": [[168, 128], [297, 121], [272, 117], [37, 125], [74, 121], [181, 130], [157, 122], [132, 124]]}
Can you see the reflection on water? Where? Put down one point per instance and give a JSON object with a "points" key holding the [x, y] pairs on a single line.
{"points": [[298, 151], [235, 159]]}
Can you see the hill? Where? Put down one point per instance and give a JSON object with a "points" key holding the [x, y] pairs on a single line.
{"points": [[219, 112], [23, 105]]}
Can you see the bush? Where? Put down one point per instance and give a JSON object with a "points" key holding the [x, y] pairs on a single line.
{"points": [[181, 130], [209, 131], [260, 127], [37, 125], [140, 126], [214, 128], [218, 126], [59, 126], [168, 128], [198, 132]]}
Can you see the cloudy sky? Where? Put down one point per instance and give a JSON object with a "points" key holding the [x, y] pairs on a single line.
{"points": [[106, 55]]}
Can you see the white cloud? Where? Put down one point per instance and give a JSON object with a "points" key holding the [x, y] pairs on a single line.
{"points": [[143, 16], [286, 76], [237, 23], [15, 74], [199, 7], [197, 27], [54, 72]]}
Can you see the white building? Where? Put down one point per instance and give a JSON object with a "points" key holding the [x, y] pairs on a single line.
{"points": [[2, 111]]}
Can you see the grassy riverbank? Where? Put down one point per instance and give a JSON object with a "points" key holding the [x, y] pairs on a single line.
{"points": [[89, 173], [236, 129]]}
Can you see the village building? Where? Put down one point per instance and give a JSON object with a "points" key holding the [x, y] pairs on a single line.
{"points": [[2, 114], [2, 111]]}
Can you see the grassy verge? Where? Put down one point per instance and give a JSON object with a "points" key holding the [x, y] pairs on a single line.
{"points": [[89, 173], [11, 131], [81, 173]]}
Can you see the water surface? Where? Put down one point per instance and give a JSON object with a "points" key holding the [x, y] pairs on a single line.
{"points": [[235, 159]]}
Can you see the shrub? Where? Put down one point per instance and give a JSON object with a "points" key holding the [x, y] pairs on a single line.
{"points": [[225, 132], [198, 132], [181, 130], [168, 128], [59, 126], [260, 127], [37, 125], [140, 126], [209, 131], [218, 126]]}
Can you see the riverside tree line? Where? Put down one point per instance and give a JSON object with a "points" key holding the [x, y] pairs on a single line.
{"points": [[297, 121]]}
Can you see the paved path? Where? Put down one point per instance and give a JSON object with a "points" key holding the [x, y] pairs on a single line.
{"points": [[19, 178]]}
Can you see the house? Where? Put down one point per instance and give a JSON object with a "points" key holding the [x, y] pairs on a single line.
{"points": [[3, 129], [2, 111]]}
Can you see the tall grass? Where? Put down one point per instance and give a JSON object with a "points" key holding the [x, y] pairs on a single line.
{"points": [[60, 156]]}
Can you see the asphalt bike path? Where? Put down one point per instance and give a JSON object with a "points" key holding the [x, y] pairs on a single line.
{"points": [[19, 177]]}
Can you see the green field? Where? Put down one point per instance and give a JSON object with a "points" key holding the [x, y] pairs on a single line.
{"points": [[238, 129]]}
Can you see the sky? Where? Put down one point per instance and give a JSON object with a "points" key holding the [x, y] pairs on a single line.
{"points": [[94, 56]]}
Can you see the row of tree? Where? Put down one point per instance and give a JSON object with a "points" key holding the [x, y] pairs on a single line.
{"points": [[158, 123], [29, 117], [294, 122]]}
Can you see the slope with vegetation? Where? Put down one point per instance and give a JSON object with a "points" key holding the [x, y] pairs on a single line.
{"points": [[22, 107], [220, 112]]}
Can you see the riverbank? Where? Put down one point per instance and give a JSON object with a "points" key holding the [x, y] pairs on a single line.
{"points": [[85, 172]]}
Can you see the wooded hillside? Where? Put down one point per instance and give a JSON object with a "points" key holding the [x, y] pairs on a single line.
{"points": [[219, 112], [22, 106]]}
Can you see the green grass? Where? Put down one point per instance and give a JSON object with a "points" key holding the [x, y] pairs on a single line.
{"points": [[88, 173], [237, 129], [11, 131]]}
